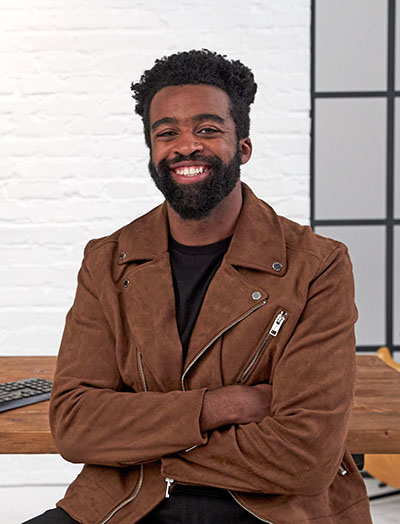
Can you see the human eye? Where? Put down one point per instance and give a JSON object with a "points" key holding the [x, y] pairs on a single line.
{"points": [[167, 133], [208, 131]]}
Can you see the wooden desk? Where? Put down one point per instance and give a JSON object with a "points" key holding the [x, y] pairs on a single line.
{"points": [[26, 430], [374, 426], [375, 420]]}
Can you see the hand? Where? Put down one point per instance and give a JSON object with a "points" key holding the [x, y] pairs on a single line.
{"points": [[235, 405]]}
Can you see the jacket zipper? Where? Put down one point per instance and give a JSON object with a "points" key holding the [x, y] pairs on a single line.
{"points": [[170, 481], [247, 509], [169, 484], [142, 375], [127, 501], [275, 328], [144, 382], [136, 492], [217, 337]]}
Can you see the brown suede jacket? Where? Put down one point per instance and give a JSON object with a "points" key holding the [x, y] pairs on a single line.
{"points": [[280, 310]]}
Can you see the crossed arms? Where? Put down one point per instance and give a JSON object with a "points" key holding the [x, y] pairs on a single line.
{"points": [[286, 438]]}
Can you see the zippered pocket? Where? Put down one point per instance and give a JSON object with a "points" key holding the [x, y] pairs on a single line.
{"points": [[217, 336], [141, 371], [273, 332]]}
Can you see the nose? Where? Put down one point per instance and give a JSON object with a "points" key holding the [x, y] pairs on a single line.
{"points": [[187, 143]]}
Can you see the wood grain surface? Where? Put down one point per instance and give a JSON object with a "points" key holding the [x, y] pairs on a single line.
{"points": [[374, 424], [26, 429], [375, 419]]}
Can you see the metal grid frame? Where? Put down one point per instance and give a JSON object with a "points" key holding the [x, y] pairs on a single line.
{"points": [[389, 222]]}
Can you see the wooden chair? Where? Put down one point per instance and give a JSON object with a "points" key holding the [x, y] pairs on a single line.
{"points": [[385, 468], [384, 354]]}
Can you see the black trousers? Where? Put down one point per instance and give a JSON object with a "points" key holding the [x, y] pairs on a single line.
{"points": [[53, 516], [180, 508]]}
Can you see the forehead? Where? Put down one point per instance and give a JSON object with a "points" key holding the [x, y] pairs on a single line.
{"points": [[183, 102]]}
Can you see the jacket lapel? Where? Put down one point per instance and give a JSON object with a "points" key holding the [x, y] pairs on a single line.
{"points": [[258, 242], [150, 298], [151, 314]]}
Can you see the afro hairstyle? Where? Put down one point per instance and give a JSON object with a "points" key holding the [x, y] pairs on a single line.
{"points": [[198, 67]]}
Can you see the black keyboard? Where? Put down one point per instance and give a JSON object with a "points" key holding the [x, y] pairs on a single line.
{"points": [[23, 392]]}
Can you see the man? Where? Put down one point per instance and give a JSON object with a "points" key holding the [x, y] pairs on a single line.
{"points": [[206, 372]]}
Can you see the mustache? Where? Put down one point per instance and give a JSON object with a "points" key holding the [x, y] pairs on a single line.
{"points": [[195, 157]]}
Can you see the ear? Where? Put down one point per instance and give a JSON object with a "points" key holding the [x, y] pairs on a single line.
{"points": [[246, 148]]}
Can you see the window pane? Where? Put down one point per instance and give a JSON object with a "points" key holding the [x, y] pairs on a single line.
{"points": [[397, 158], [396, 289], [350, 156], [351, 45], [366, 246], [397, 53]]}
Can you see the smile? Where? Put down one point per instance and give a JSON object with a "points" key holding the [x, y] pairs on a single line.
{"points": [[191, 171]]}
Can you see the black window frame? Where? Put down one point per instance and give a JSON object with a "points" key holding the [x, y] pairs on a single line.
{"points": [[390, 221]]}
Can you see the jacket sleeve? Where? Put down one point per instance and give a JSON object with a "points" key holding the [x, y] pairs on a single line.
{"points": [[298, 449], [92, 419]]}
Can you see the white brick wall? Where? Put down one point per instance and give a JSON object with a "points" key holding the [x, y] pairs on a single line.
{"points": [[73, 164]]}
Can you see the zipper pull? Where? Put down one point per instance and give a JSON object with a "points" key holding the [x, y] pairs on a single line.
{"points": [[169, 484], [190, 449], [276, 326]]}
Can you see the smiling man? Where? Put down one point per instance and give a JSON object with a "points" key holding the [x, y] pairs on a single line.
{"points": [[206, 371], [196, 154]]}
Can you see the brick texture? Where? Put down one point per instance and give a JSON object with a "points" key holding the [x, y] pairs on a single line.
{"points": [[73, 163]]}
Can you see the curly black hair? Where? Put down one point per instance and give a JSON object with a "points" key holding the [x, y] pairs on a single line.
{"points": [[198, 67]]}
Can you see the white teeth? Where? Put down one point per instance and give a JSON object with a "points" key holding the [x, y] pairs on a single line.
{"points": [[190, 171]]}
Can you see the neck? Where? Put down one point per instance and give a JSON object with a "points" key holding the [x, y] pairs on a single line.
{"points": [[219, 225]]}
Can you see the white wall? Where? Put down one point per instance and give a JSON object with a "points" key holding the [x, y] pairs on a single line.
{"points": [[73, 160]]}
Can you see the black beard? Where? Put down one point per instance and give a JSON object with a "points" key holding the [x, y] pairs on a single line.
{"points": [[197, 200]]}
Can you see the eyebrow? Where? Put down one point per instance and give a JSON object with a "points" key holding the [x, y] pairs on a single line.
{"points": [[165, 120], [208, 116], [197, 118]]}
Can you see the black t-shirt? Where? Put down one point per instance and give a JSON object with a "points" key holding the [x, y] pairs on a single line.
{"points": [[193, 268]]}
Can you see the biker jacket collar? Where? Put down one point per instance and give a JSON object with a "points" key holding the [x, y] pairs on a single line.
{"points": [[258, 242]]}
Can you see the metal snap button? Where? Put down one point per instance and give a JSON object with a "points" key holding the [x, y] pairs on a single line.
{"points": [[277, 266], [256, 295], [126, 282], [122, 255]]}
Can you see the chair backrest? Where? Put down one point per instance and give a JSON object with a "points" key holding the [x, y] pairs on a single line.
{"points": [[385, 355]]}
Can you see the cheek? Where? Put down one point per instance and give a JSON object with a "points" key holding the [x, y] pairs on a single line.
{"points": [[227, 153], [158, 153], [155, 158]]}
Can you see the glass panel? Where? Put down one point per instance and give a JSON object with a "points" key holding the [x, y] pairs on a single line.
{"points": [[366, 246], [397, 52], [350, 157], [396, 288], [397, 156], [351, 45]]}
